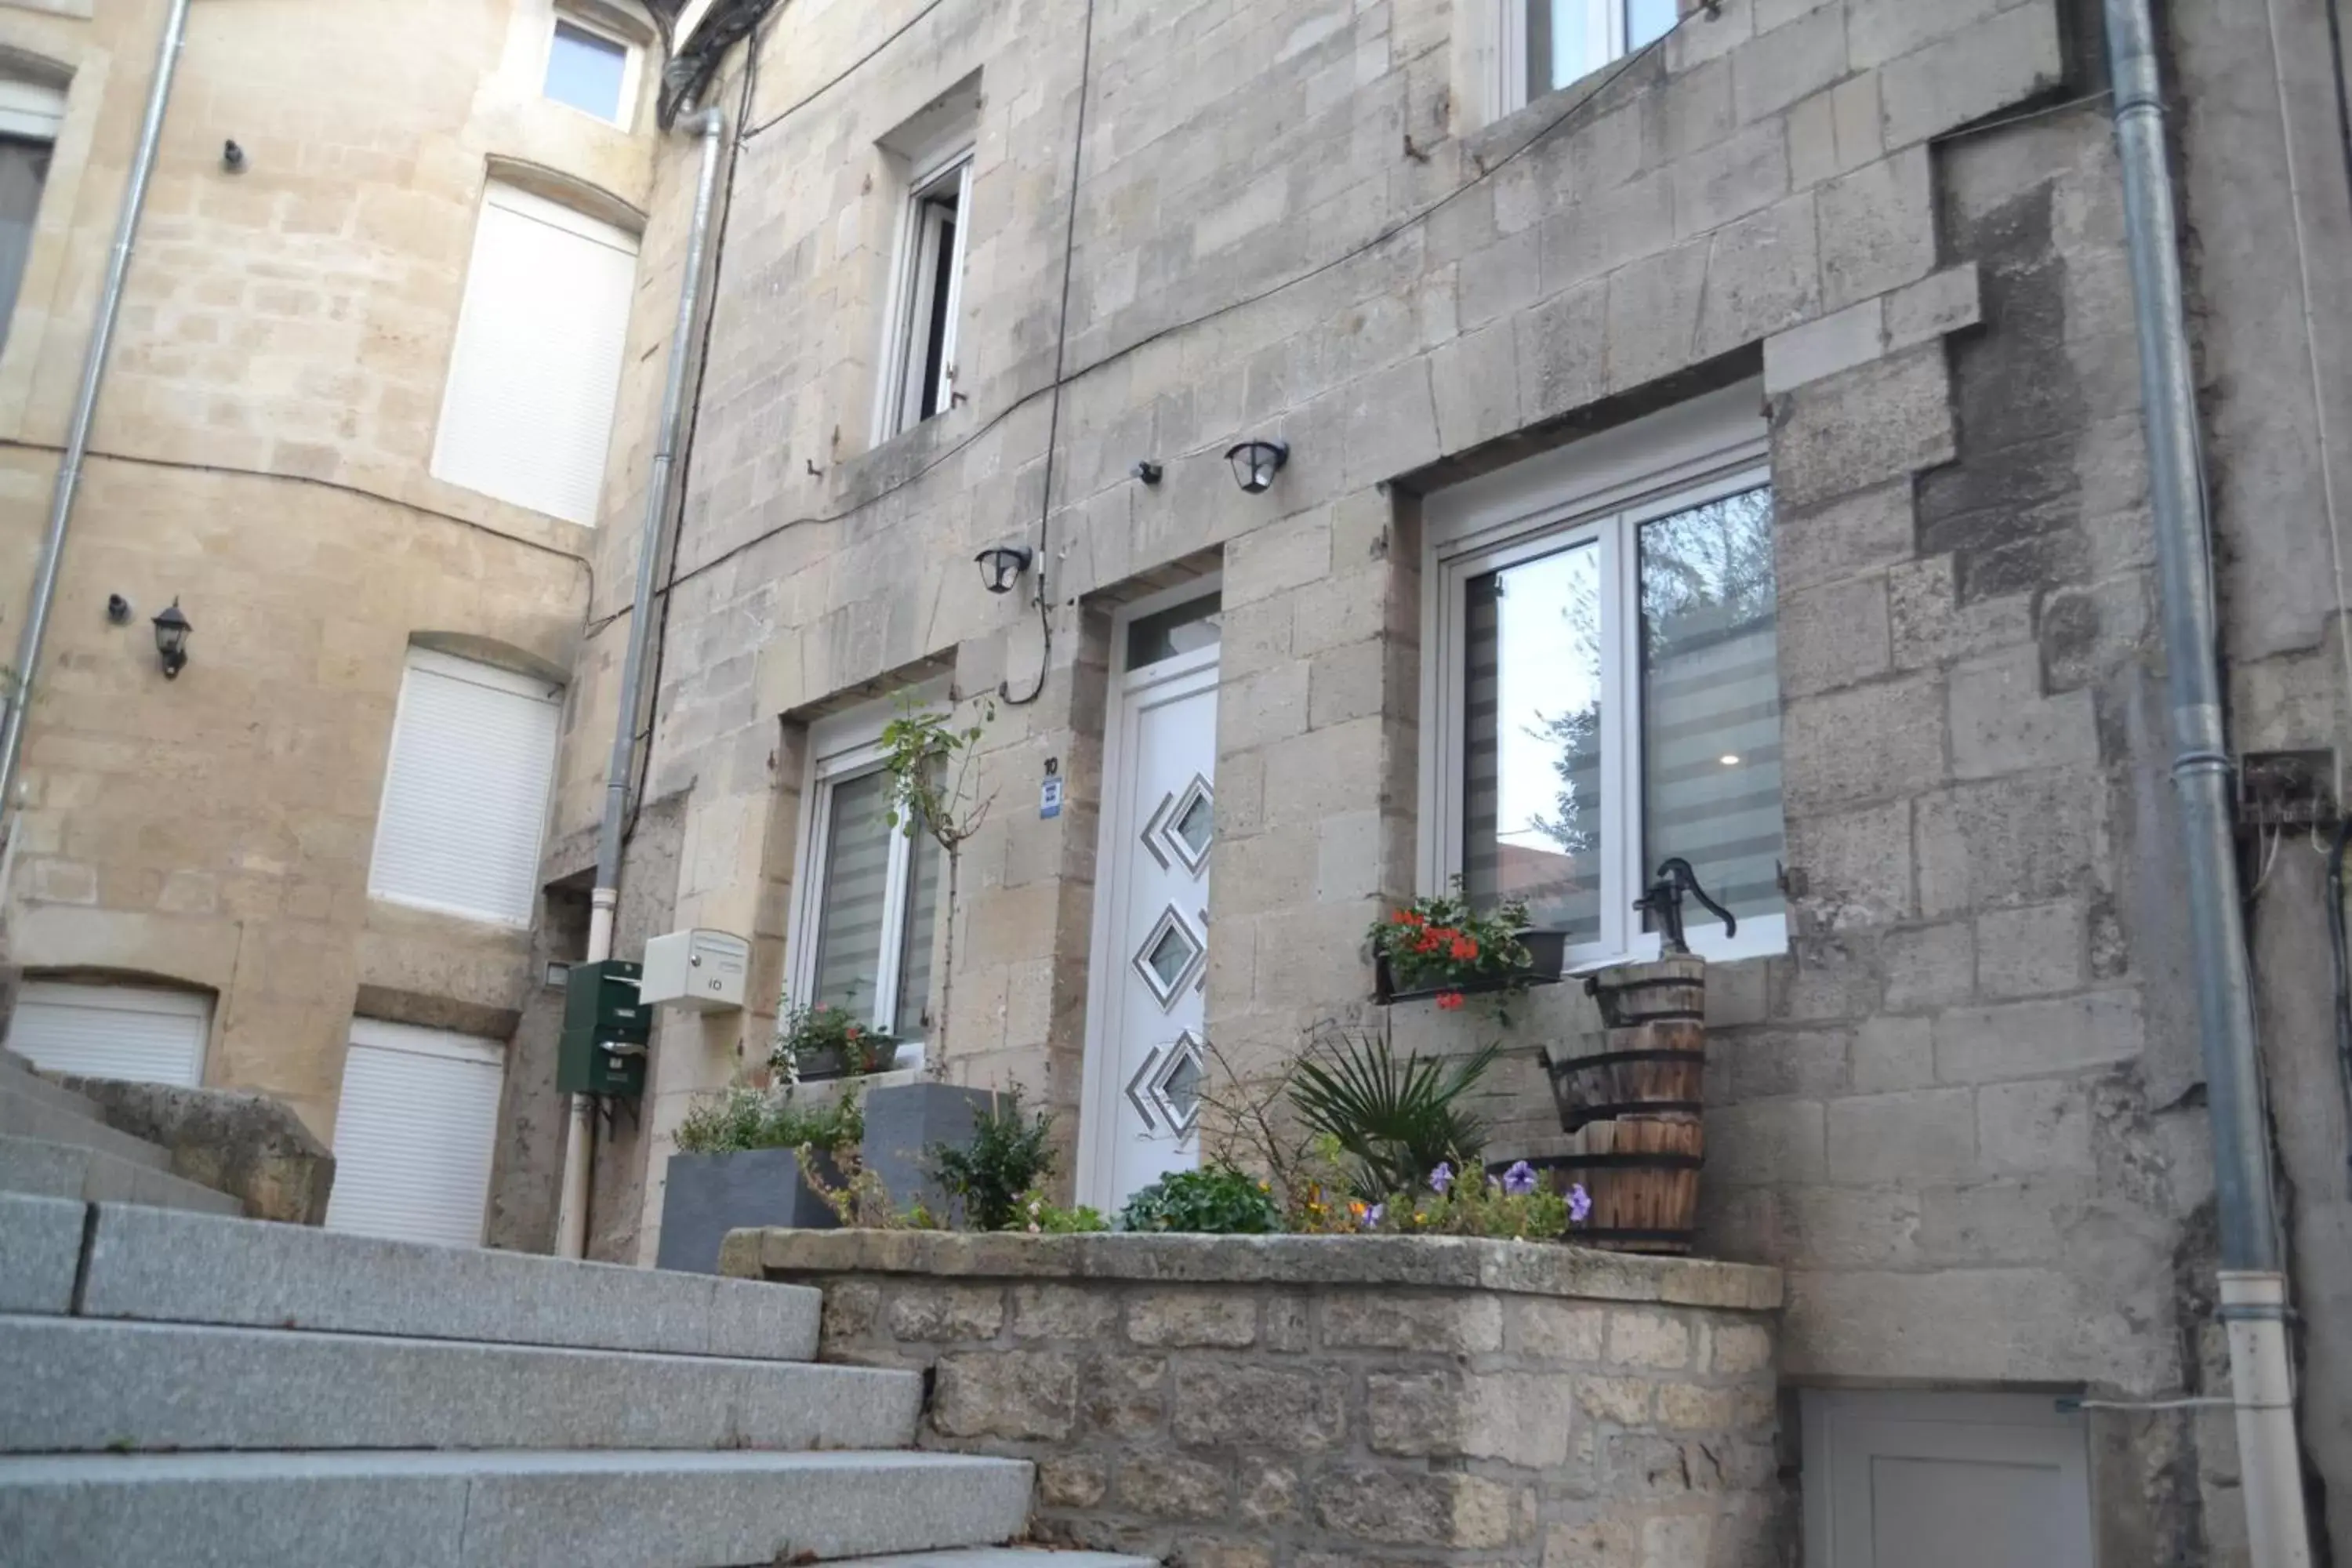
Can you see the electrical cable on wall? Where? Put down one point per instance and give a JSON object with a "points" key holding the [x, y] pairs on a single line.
{"points": [[2340, 962]]}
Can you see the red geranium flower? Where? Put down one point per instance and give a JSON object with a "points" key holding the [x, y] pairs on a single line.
{"points": [[1464, 949], [1449, 1001]]}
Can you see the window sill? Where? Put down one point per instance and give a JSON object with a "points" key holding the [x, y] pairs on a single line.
{"points": [[1507, 135], [1765, 936]]}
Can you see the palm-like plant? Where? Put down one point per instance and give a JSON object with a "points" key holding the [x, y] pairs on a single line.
{"points": [[1397, 1121]]}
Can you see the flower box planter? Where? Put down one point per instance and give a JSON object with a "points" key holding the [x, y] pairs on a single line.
{"points": [[1547, 950], [707, 1195]]}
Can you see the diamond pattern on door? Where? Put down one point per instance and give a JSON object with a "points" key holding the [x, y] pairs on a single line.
{"points": [[1168, 957], [1183, 827], [1166, 1090]]}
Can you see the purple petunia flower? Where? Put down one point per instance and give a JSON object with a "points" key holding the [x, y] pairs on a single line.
{"points": [[1441, 1178], [1580, 1204], [1372, 1216], [1519, 1180]]}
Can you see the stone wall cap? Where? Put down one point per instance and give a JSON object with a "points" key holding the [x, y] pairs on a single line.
{"points": [[1523, 1268]]}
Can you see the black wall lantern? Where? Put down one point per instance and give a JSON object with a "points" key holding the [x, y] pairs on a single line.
{"points": [[1001, 566], [1256, 462], [171, 629]]}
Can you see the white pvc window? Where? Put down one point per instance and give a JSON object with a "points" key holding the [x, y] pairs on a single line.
{"points": [[1547, 44], [415, 1132], [30, 115], [867, 899], [927, 295], [536, 372], [136, 1032], [591, 70], [1603, 691], [466, 791]]}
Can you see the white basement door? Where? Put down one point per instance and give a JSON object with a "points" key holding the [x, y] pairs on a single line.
{"points": [[112, 1031], [1944, 1480], [414, 1133]]}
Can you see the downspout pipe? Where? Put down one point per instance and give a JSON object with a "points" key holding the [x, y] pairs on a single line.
{"points": [[604, 900], [2252, 1281], [16, 702]]}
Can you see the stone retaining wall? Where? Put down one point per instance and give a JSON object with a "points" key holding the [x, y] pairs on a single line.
{"points": [[1243, 1402]]}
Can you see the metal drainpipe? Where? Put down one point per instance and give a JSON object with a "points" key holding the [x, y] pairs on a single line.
{"points": [[604, 902], [2252, 1278], [93, 374]]}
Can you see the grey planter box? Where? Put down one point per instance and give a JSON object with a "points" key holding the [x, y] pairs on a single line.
{"points": [[711, 1194], [903, 1120]]}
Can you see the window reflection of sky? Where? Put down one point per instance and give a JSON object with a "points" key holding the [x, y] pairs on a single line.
{"points": [[1550, 640], [586, 71]]}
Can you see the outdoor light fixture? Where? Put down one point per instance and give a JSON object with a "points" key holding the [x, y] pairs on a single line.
{"points": [[171, 629], [1256, 462], [117, 609], [1001, 564], [1148, 471]]}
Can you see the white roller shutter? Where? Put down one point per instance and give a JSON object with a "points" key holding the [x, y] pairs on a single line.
{"points": [[112, 1031], [527, 414], [466, 792], [414, 1133]]}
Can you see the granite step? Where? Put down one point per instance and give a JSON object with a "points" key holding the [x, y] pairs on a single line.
{"points": [[154, 1266], [1004, 1557], [625, 1509], [45, 1168], [93, 1386], [26, 1112]]}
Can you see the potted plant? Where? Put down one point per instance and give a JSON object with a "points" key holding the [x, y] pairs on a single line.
{"points": [[1439, 946], [739, 1164], [826, 1041]]}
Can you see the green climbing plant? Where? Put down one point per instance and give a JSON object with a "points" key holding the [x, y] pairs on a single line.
{"points": [[932, 758]]}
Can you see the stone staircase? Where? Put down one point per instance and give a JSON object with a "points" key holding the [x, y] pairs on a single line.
{"points": [[53, 1144], [185, 1388]]}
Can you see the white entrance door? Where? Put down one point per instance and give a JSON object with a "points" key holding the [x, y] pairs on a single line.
{"points": [[1944, 1480], [1145, 1032], [414, 1133], [112, 1031]]}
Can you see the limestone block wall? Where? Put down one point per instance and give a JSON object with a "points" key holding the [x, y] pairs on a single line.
{"points": [[1232, 1401], [261, 452]]}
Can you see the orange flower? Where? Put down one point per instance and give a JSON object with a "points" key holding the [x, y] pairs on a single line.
{"points": [[1464, 949], [1449, 1001], [1427, 944], [1405, 918]]}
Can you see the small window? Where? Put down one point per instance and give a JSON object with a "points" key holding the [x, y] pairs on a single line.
{"points": [[1547, 44], [30, 114], [592, 70], [466, 792], [141, 1033], [929, 292], [415, 1132], [869, 892], [536, 371], [1606, 687]]}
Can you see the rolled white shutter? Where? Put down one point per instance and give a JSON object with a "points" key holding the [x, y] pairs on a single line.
{"points": [[528, 415], [466, 792], [112, 1031], [415, 1133]]}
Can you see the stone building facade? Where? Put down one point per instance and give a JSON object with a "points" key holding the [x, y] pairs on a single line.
{"points": [[265, 454], [1876, 248]]}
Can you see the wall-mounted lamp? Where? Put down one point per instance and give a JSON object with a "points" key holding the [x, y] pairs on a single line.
{"points": [[1256, 462], [233, 157], [171, 629], [118, 610], [1001, 566], [1148, 471]]}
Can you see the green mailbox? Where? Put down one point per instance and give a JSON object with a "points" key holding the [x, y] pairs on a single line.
{"points": [[605, 1029]]}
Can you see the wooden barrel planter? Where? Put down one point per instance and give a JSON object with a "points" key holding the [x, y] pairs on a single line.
{"points": [[1635, 1107]]}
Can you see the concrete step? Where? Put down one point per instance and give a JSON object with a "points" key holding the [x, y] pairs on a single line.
{"points": [[160, 1267], [40, 1249], [531, 1510], [22, 1076], [27, 1113], [1004, 1557], [46, 1169], [91, 1385]]}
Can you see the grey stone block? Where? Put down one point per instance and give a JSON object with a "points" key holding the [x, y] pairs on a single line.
{"points": [[707, 1195], [172, 1267], [46, 1169], [903, 1121], [1004, 1557], [2023, 1039], [621, 1509], [40, 1249], [83, 1384], [25, 1115], [249, 1145]]}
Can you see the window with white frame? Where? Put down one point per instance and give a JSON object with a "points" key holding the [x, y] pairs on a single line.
{"points": [[1547, 44], [867, 897], [30, 114], [1603, 689], [527, 414], [593, 67], [466, 791], [933, 153]]}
